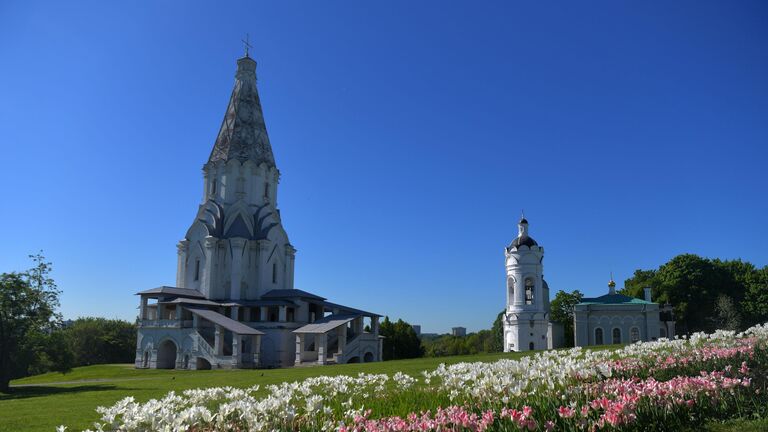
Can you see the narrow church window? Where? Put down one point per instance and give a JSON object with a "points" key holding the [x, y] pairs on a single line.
{"points": [[266, 189], [530, 346], [529, 291], [197, 269], [616, 336], [274, 272], [213, 187], [634, 334], [598, 336]]}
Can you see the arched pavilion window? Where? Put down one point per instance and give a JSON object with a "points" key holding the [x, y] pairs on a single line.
{"points": [[598, 336], [529, 291], [616, 335]]}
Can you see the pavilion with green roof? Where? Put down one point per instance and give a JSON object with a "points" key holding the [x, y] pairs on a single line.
{"points": [[619, 319]]}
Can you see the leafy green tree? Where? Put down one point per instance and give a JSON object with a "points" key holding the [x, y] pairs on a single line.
{"points": [[400, 340], [690, 284], [28, 320], [695, 287], [497, 334], [561, 310], [727, 316], [756, 297], [49, 352], [101, 340], [449, 345]]}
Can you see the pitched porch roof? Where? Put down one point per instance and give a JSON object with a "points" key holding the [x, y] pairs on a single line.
{"points": [[227, 323], [173, 291], [324, 325]]}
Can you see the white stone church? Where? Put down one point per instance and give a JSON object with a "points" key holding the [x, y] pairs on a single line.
{"points": [[611, 318], [234, 304]]}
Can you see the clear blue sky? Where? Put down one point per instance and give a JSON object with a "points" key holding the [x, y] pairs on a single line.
{"points": [[409, 136]]}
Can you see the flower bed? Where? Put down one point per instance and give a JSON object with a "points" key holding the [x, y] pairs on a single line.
{"points": [[662, 385]]}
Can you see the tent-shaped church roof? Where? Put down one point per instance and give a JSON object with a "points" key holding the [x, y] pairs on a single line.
{"points": [[243, 133]]}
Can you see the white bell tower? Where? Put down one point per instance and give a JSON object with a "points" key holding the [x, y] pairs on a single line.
{"points": [[526, 317]]}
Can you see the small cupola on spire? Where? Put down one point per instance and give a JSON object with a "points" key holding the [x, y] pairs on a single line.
{"points": [[611, 285], [523, 239]]}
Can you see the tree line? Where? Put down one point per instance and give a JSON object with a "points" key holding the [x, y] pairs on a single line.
{"points": [[35, 340]]}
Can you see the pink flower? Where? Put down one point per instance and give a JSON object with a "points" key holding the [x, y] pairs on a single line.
{"points": [[527, 411], [565, 412], [744, 368], [549, 425]]}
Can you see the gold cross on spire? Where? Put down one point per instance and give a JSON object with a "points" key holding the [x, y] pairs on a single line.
{"points": [[246, 43]]}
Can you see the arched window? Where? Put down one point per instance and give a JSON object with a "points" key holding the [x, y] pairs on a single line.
{"points": [[529, 291], [598, 336], [197, 269], [530, 346], [634, 334], [266, 189], [213, 187], [616, 335]]}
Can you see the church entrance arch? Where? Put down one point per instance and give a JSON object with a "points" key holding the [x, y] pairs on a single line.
{"points": [[202, 364], [166, 355], [368, 357]]}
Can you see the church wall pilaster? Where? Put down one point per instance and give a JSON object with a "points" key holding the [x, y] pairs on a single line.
{"points": [[264, 272], [252, 270], [236, 246], [181, 265], [207, 279], [290, 257]]}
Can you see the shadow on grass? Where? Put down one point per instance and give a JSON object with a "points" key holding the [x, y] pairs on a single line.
{"points": [[38, 391]]}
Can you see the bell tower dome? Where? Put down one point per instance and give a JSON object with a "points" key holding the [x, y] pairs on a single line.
{"points": [[526, 316]]}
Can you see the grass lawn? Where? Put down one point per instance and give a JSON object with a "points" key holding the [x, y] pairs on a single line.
{"points": [[46, 405], [758, 425]]}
